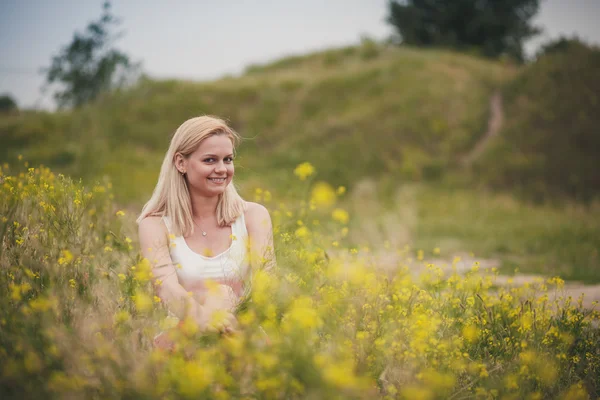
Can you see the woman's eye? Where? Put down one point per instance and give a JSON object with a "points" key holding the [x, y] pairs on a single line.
{"points": [[209, 159], [228, 159]]}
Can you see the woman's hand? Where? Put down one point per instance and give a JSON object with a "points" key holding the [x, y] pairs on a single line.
{"points": [[216, 314]]}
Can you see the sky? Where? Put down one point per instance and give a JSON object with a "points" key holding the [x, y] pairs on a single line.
{"points": [[204, 39]]}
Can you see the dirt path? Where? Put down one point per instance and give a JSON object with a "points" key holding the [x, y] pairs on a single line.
{"points": [[494, 124], [386, 230]]}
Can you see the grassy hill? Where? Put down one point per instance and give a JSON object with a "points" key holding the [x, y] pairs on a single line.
{"points": [[355, 112], [368, 113], [550, 143]]}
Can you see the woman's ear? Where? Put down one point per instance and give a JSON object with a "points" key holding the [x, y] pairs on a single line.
{"points": [[180, 163]]}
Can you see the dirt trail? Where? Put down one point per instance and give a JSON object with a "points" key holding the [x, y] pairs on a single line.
{"points": [[571, 288], [388, 230], [494, 124]]}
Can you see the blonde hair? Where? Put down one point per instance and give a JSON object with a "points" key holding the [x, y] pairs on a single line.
{"points": [[171, 196]]}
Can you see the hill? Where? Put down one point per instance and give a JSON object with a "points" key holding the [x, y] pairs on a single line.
{"points": [[355, 112], [550, 142]]}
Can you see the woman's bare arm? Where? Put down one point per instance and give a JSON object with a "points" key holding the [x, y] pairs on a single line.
{"points": [[154, 245], [260, 235]]}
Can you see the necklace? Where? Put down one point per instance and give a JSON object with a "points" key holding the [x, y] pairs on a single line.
{"points": [[203, 231]]}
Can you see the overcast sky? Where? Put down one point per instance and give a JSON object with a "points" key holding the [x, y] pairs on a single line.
{"points": [[206, 39]]}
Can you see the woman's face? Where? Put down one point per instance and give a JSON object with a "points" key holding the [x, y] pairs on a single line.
{"points": [[209, 169]]}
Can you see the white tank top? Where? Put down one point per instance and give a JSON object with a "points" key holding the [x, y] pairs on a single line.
{"points": [[192, 268]]}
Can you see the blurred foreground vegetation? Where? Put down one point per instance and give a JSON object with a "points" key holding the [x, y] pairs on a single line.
{"points": [[78, 313]]}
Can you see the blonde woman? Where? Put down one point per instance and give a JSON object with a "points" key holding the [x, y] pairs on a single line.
{"points": [[200, 236]]}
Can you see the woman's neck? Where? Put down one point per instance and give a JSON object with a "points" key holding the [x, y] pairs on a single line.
{"points": [[204, 207]]}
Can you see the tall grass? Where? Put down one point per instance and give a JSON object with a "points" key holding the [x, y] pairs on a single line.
{"points": [[78, 313]]}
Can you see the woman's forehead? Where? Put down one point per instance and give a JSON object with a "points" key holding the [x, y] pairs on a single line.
{"points": [[216, 144]]}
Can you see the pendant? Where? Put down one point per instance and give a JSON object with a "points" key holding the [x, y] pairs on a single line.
{"points": [[203, 233]]}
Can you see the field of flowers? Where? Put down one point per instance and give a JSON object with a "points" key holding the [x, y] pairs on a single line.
{"points": [[78, 313]]}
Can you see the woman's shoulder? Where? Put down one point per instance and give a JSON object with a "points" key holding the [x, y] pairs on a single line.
{"points": [[152, 225], [256, 214], [255, 209]]}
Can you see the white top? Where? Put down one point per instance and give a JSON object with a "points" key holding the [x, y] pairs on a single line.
{"points": [[193, 268]]}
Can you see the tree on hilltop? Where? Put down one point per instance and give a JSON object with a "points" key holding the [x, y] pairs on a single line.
{"points": [[562, 44], [7, 103], [492, 27], [90, 64]]}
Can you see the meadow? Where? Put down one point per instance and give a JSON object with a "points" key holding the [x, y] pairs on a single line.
{"points": [[379, 227], [80, 313]]}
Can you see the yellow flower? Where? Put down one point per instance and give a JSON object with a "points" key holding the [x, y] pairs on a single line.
{"points": [[302, 314], [143, 302], [323, 195], [143, 270], [304, 170], [121, 317], [340, 375], [65, 257], [340, 215], [32, 362], [470, 333], [120, 213], [267, 196], [302, 232], [41, 304]]}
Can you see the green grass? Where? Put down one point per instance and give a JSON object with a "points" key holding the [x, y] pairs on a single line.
{"points": [[543, 240], [548, 146], [369, 112], [356, 112]]}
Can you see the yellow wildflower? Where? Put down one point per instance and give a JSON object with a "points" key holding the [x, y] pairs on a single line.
{"points": [[143, 302], [323, 195], [65, 257], [340, 215], [304, 170], [302, 232]]}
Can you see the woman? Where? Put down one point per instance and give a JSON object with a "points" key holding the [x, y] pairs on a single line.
{"points": [[200, 236]]}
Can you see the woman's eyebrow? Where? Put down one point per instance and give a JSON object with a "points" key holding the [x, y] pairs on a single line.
{"points": [[215, 155]]}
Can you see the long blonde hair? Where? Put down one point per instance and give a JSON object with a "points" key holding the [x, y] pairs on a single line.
{"points": [[171, 196]]}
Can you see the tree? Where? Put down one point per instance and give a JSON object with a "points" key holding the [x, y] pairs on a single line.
{"points": [[90, 65], [493, 27], [562, 44], [7, 103]]}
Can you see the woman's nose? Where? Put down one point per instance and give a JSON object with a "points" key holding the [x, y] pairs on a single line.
{"points": [[220, 167]]}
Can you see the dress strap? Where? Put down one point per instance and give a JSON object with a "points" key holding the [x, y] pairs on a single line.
{"points": [[238, 228]]}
